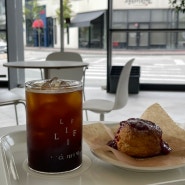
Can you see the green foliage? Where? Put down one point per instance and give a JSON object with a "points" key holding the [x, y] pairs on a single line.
{"points": [[66, 11], [178, 5], [32, 10]]}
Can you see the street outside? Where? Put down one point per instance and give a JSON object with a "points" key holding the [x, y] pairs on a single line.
{"points": [[160, 68]]}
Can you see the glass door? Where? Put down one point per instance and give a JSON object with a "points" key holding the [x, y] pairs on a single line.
{"points": [[138, 39]]}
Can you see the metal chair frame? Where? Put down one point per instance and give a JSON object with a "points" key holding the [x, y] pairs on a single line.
{"points": [[10, 98]]}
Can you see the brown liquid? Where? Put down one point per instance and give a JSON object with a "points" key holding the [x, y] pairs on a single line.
{"points": [[54, 131]]}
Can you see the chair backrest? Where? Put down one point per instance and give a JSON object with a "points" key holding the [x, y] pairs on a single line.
{"points": [[69, 56], [72, 73], [122, 87]]}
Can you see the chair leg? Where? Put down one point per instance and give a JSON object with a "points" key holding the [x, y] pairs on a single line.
{"points": [[86, 115], [101, 117], [84, 95], [16, 116], [42, 74]]}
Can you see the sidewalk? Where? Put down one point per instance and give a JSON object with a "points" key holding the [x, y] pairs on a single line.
{"points": [[114, 51]]}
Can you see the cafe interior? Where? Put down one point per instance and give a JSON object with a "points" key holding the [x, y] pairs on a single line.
{"points": [[103, 108]]}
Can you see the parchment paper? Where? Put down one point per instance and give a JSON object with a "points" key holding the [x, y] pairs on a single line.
{"points": [[97, 135]]}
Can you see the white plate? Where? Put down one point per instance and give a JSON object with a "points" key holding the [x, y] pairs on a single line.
{"points": [[165, 162]]}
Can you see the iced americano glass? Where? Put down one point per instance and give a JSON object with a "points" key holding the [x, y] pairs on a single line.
{"points": [[54, 125]]}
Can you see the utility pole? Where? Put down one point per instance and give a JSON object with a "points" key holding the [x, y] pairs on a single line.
{"points": [[61, 27]]}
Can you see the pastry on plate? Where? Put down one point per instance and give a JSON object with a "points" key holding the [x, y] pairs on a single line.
{"points": [[139, 138]]}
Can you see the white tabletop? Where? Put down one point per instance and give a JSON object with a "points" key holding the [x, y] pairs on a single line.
{"points": [[46, 64], [97, 173]]}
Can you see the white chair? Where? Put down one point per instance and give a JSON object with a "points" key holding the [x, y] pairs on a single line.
{"points": [[72, 73], [10, 98], [103, 106]]}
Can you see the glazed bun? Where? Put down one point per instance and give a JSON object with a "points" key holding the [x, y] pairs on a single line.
{"points": [[140, 138]]}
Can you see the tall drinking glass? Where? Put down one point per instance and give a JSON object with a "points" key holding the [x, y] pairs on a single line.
{"points": [[54, 125]]}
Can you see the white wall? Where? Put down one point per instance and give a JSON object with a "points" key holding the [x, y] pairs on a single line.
{"points": [[89, 5], [140, 4], [51, 7], [73, 38], [57, 45]]}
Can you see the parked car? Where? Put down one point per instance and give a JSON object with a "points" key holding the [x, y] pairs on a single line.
{"points": [[3, 47]]}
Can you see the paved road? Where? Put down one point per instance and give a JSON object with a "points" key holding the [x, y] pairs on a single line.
{"points": [[154, 68]]}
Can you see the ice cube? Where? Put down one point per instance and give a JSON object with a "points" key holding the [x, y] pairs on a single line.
{"points": [[55, 83]]}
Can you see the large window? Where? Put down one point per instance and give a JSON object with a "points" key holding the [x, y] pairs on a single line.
{"points": [[155, 37], [146, 19]]}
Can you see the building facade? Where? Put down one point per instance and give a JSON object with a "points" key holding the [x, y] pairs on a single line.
{"points": [[139, 23]]}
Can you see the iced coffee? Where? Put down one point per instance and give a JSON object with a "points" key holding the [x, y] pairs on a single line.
{"points": [[54, 125]]}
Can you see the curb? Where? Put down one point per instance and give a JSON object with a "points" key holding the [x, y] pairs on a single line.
{"points": [[114, 51]]}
